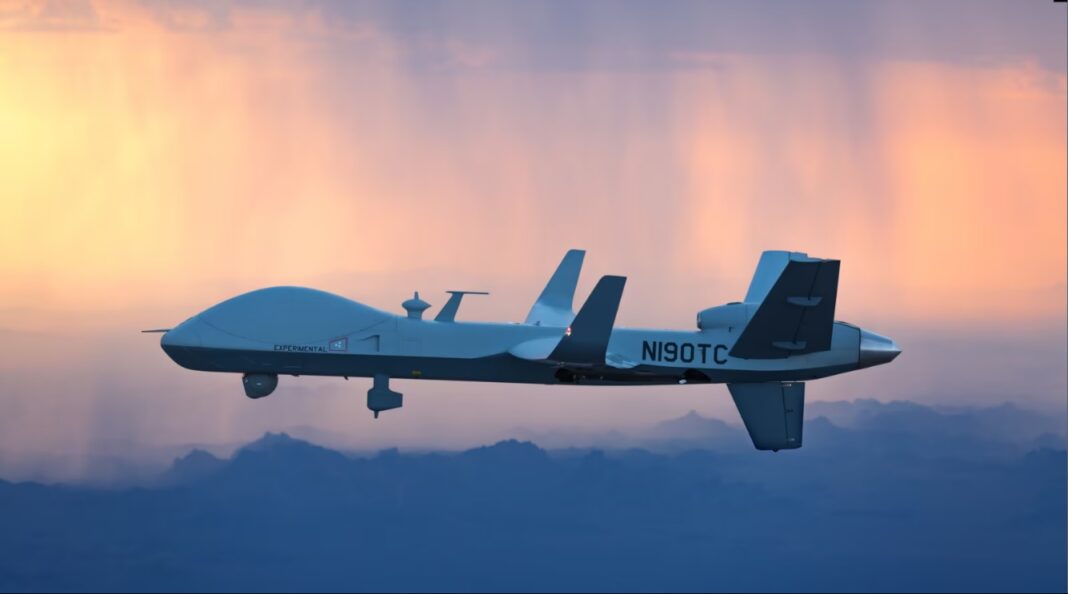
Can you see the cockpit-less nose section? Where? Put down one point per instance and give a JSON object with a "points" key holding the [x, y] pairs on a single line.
{"points": [[764, 347]]}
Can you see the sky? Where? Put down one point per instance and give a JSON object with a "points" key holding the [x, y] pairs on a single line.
{"points": [[161, 156]]}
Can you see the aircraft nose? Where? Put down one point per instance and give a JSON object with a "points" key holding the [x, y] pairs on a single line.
{"points": [[183, 335], [181, 342], [876, 350]]}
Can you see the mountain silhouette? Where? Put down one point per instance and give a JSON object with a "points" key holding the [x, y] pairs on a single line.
{"points": [[857, 508], [195, 465]]}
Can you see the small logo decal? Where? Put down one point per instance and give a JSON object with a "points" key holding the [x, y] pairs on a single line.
{"points": [[339, 344]]}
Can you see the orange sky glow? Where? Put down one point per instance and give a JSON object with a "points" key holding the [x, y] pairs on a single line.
{"points": [[145, 164], [151, 167]]}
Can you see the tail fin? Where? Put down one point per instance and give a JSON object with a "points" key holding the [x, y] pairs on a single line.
{"points": [[554, 305], [795, 297]]}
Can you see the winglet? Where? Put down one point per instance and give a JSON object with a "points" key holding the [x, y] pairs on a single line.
{"points": [[587, 339], [553, 307]]}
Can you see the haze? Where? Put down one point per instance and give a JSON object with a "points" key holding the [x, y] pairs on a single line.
{"points": [[160, 157]]}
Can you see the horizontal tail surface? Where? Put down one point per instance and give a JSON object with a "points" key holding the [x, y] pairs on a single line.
{"points": [[773, 413], [795, 298]]}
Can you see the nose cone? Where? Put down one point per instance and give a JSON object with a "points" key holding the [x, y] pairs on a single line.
{"points": [[182, 335], [181, 342], [875, 350]]}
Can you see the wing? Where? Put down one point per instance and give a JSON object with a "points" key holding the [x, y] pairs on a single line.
{"points": [[553, 307], [587, 339]]}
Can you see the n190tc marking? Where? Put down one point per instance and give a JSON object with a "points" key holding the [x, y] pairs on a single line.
{"points": [[684, 352]]}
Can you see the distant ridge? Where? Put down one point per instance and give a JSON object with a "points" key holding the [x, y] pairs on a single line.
{"points": [[890, 506]]}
